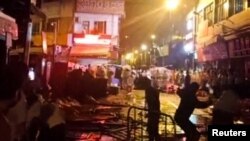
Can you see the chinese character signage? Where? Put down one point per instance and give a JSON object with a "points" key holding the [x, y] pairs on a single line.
{"points": [[100, 6]]}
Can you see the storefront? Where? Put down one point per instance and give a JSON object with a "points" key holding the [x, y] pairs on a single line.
{"points": [[96, 30], [239, 52]]}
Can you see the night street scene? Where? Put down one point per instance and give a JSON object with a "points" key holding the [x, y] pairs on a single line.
{"points": [[124, 70]]}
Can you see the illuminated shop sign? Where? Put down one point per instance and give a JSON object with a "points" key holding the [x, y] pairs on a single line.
{"points": [[92, 39]]}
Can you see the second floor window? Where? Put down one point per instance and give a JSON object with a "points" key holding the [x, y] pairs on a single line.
{"points": [[52, 24], [36, 29], [221, 10], [208, 14], [99, 27], [239, 5], [236, 6]]}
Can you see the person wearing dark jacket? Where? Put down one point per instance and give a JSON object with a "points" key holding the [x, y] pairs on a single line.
{"points": [[52, 124], [186, 107], [153, 105]]}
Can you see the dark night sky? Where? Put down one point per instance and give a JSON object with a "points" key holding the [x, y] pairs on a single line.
{"points": [[146, 17]]}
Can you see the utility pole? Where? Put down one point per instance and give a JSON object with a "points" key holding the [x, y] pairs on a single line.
{"points": [[28, 44], [195, 34], [28, 34], [55, 24]]}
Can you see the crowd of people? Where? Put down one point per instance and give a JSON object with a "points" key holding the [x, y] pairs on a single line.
{"points": [[28, 112], [24, 113]]}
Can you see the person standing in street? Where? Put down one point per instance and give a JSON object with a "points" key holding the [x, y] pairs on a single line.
{"points": [[186, 107], [153, 105]]}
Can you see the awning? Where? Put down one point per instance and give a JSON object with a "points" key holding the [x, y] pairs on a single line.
{"points": [[90, 51], [33, 50]]}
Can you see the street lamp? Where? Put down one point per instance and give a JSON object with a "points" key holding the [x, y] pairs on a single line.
{"points": [[136, 52], [153, 36], [172, 4], [55, 25], [129, 57], [144, 48], [153, 59]]}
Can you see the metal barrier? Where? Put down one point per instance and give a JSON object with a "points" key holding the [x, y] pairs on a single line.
{"points": [[137, 121]]}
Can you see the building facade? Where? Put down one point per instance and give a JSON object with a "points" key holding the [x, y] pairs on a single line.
{"points": [[221, 33], [96, 30], [90, 27], [58, 24]]}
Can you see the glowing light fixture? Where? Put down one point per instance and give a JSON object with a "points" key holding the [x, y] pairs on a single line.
{"points": [[144, 47], [153, 36], [226, 6], [129, 56], [190, 24], [172, 4], [189, 47], [92, 39], [136, 51]]}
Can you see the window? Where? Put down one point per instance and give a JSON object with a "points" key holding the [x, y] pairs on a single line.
{"points": [[221, 10], [52, 23], [35, 28], [236, 6], [248, 3], [208, 14], [85, 26], [99, 27]]}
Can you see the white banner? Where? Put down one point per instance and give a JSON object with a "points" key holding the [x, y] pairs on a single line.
{"points": [[163, 50]]}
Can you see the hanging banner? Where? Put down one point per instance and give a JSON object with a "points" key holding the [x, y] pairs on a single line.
{"points": [[163, 50]]}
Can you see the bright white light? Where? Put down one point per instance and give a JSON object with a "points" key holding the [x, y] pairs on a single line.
{"points": [[189, 47], [136, 51], [190, 24], [195, 55], [153, 37], [144, 47], [172, 4], [189, 36], [43, 62], [226, 6], [92, 39], [128, 56], [31, 74]]}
